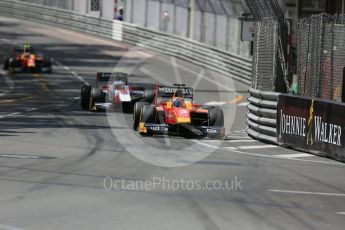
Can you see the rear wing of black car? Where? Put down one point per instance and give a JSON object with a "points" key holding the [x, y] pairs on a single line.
{"points": [[103, 78], [169, 91]]}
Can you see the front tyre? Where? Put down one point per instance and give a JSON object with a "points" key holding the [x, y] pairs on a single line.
{"points": [[216, 117], [136, 113], [85, 94], [147, 115]]}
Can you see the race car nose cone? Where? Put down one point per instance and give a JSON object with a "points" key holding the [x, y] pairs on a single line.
{"points": [[180, 120], [182, 116]]}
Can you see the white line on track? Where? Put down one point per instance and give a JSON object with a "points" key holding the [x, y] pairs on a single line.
{"points": [[237, 131], [306, 192], [176, 70], [6, 41], [31, 109], [18, 113], [204, 144], [220, 85], [10, 115], [240, 141], [257, 147], [340, 213], [243, 104], [232, 141], [154, 76], [198, 79], [9, 82], [270, 156], [196, 73], [6, 227], [13, 114], [216, 103], [233, 137], [18, 156], [295, 155], [82, 80], [231, 148], [72, 72]]}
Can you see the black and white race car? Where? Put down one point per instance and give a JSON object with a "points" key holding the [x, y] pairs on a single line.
{"points": [[113, 90]]}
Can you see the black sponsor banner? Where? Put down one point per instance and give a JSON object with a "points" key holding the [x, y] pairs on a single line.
{"points": [[311, 124]]}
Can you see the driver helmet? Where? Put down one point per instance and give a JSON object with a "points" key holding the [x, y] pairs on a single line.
{"points": [[26, 48], [178, 99], [178, 102]]}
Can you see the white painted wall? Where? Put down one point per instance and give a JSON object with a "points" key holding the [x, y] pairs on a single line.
{"points": [[108, 9]]}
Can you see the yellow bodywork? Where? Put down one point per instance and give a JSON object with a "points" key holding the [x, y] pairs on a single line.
{"points": [[142, 128], [183, 120]]}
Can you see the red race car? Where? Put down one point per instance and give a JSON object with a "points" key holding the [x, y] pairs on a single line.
{"points": [[25, 58], [173, 112]]}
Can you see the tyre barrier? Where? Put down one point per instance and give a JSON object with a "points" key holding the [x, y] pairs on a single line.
{"points": [[262, 115], [220, 61]]}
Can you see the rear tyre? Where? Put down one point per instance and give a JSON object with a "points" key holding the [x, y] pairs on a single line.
{"points": [[11, 66], [85, 94], [6, 63], [136, 113], [97, 95]]}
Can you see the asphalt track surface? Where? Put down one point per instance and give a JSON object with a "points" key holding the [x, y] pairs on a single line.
{"points": [[58, 162]]}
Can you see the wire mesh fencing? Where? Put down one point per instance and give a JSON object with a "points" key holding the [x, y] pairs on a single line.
{"points": [[270, 42], [321, 56], [264, 67]]}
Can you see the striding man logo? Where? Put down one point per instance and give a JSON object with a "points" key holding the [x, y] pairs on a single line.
{"points": [[310, 124]]}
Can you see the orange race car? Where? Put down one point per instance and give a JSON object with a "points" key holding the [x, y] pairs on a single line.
{"points": [[173, 112], [24, 58]]}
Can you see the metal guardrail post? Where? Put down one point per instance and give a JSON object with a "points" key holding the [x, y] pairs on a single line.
{"points": [[191, 15]]}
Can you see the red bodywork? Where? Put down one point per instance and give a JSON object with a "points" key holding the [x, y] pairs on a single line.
{"points": [[28, 60], [177, 115], [188, 118], [174, 116]]}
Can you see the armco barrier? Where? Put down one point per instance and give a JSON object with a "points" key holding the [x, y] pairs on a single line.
{"points": [[225, 63], [262, 115]]}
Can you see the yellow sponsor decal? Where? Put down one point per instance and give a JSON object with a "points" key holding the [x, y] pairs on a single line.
{"points": [[169, 105], [188, 105], [183, 119], [142, 128]]}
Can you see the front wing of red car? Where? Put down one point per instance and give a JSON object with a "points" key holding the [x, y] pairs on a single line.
{"points": [[152, 128]]}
